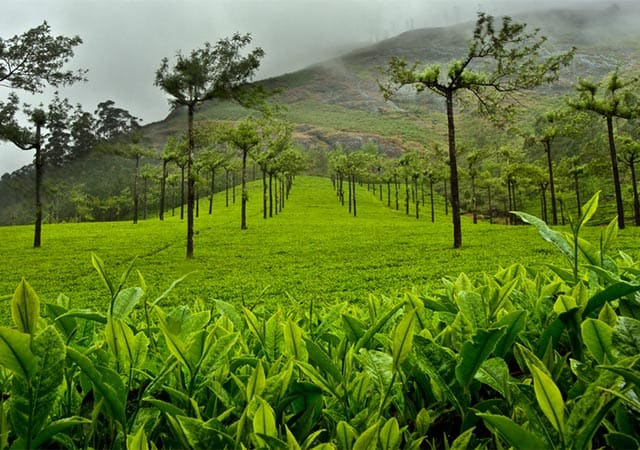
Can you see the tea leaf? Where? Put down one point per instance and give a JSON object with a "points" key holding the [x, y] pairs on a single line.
{"points": [[345, 435], [125, 301], [494, 372], [15, 352], [626, 337], [549, 235], [293, 341], [474, 353], [138, 441], [403, 339], [390, 437], [110, 395], [608, 294], [264, 420], [25, 308], [549, 398], [515, 435], [597, 336], [513, 323], [367, 440]]}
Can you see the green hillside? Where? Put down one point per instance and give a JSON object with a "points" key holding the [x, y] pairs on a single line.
{"points": [[338, 103]]}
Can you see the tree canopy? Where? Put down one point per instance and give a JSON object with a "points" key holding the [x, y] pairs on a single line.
{"points": [[499, 63], [34, 59]]}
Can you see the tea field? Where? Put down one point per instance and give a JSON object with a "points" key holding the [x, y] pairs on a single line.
{"points": [[314, 250], [319, 330]]}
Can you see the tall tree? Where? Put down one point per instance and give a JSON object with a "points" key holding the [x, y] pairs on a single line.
{"points": [[500, 62], [610, 98], [113, 122], [26, 138], [245, 136], [547, 128], [207, 73], [630, 155], [35, 59], [82, 133], [58, 139]]}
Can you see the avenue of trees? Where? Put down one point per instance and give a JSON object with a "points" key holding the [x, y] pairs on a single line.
{"points": [[485, 168], [500, 62]]}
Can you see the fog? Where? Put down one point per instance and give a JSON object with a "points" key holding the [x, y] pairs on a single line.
{"points": [[124, 41]]}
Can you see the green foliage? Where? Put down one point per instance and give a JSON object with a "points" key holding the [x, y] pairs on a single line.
{"points": [[516, 358]]}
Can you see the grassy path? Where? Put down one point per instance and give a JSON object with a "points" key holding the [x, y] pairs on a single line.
{"points": [[313, 250]]}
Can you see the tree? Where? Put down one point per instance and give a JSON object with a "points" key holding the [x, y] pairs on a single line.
{"points": [[630, 155], [276, 138], [34, 59], [130, 147], [113, 122], [610, 98], [27, 139], [245, 136], [498, 64], [82, 133], [211, 72], [58, 139], [547, 129], [30, 62]]}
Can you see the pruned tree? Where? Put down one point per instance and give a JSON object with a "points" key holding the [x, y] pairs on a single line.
{"points": [[500, 62], [210, 72], [630, 155], [130, 146], [612, 97], [244, 136], [546, 130]]}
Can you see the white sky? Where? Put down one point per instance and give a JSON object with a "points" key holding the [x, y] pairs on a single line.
{"points": [[124, 40]]}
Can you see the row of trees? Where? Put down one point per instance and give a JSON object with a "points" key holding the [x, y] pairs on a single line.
{"points": [[500, 63]]}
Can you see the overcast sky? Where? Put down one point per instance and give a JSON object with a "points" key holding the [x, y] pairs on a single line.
{"points": [[124, 40]]}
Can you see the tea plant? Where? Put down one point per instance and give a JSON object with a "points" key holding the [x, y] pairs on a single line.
{"points": [[518, 359]]}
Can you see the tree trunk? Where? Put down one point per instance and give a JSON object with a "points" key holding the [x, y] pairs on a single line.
{"points": [[453, 167], [354, 197], [271, 194], [636, 201], [349, 188], [264, 194], [433, 209], [233, 185], [226, 187], [389, 194], [406, 196], [474, 200], [577, 188], [616, 175], [395, 185], [135, 190], [552, 188], [243, 209], [212, 188], [39, 163], [191, 183], [490, 205], [163, 187], [144, 197], [182, 193]]}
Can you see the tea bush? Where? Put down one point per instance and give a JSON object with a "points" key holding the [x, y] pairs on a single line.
{"points": [[518, 359]]}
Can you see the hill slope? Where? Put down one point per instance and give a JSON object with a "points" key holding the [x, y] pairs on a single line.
{"points": [[339, 101]]}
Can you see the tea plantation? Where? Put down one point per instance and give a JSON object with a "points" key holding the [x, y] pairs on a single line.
{"points": [[317, 329]]}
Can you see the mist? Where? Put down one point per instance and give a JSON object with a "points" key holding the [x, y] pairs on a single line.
{"points": [[124, 41]]}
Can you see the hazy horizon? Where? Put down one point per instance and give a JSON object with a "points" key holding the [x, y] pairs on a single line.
{"points": [[124, 41]]}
